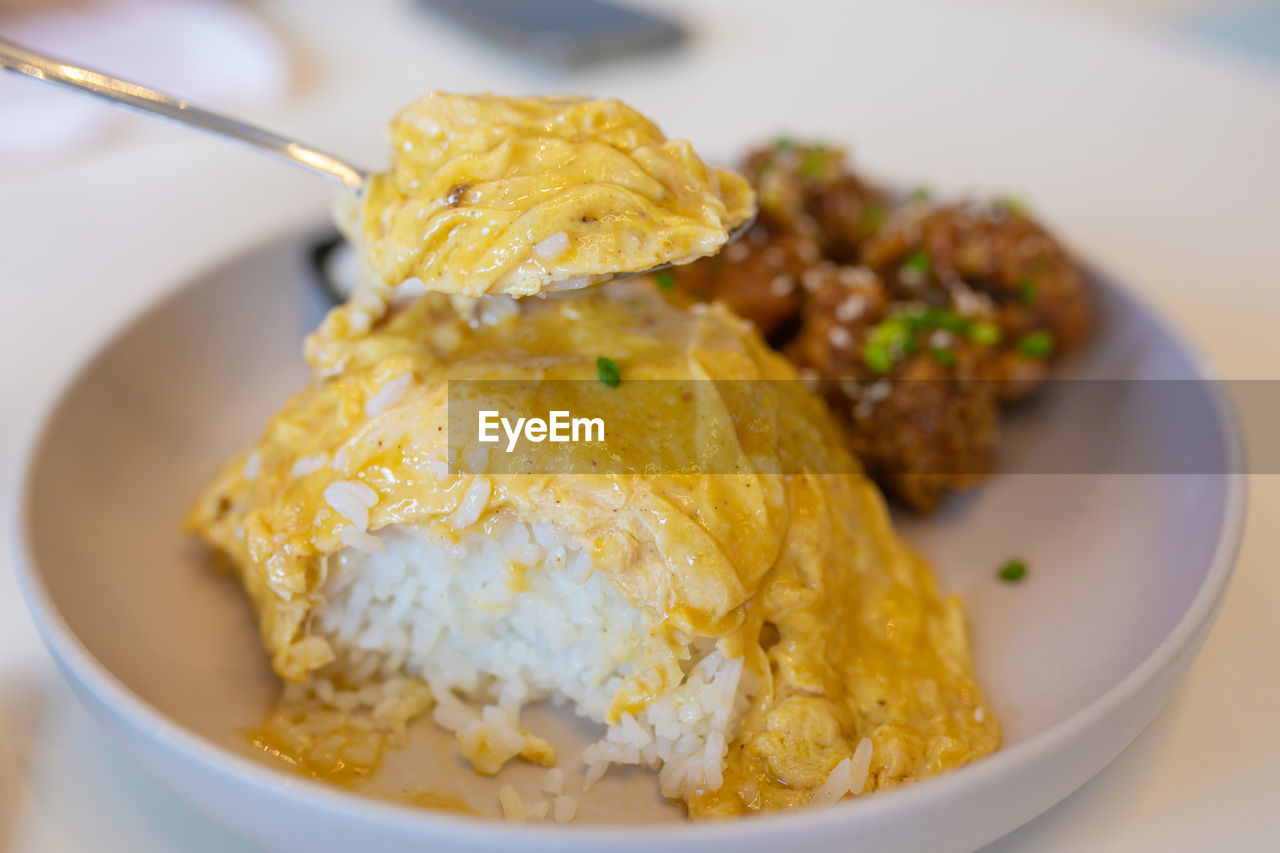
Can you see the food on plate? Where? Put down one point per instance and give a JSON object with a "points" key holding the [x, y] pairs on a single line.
{"points": [[763, 639], [489, 194], [923, 318], [716, 585]]}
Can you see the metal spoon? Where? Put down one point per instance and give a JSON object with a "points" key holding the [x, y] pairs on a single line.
{"points": [[132, 96], [138, 98]]}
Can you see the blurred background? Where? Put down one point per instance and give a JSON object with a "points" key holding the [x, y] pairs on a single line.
{"points": [[1144, 132], [260, 58]]}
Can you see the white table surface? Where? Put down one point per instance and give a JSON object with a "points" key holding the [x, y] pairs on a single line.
{"points": [[1173, 185]]}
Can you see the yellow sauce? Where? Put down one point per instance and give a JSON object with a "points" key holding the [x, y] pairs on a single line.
{"points": [[489, 194], [275, 741]]}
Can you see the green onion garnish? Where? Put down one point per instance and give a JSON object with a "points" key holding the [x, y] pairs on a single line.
{"points": [[943, 356], [812, 163], [876, 356], [1027, 291], [873, 215], [783, 143], [919, 261], [942, 318], [1015, 205], [985, 334], [896, 336], [1012, 571], [1036, 345], [921, 193], [608, 369], [666, 280]]}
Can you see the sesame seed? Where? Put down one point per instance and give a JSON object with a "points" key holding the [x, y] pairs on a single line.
{"points": [[840, 337], [811, 279], [857, 277], [851, 308]]}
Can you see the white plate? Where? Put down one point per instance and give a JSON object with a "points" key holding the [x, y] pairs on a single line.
{"points": [[1127, 575]]}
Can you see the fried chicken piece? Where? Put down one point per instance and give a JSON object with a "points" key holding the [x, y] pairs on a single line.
{"points": [[758, 277], [924, 424], [988, 261], [916, 326], [809, 190]]}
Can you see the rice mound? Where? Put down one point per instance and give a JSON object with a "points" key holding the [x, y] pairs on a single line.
{"points": [[509, 613]]}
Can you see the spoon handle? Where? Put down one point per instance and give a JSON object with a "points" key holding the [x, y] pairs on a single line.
{"points": [[138, 98]]}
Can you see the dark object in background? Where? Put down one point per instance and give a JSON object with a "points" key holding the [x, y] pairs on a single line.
{"points": [[334, 264], [562, 33]]}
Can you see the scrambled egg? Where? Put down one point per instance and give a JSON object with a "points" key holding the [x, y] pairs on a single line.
{"points": [[800, 574], [489, 194]]}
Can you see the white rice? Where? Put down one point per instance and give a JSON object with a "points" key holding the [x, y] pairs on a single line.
{"points": [[309, 464], [860, 767], [508, 613], [552, 247], [553, 782], [836, 785], [407, 291], [849, 776], [352, 500], [576, 282], [512, 807], [361, 541], [565, 809], [473, 503], [388, 395]]}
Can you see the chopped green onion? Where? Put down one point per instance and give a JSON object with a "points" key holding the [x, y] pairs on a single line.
{"points": [[1027, 291], [1036, 345], [1015, 205], [943, 318], [666, 280], [921, 193], [1012, 571], [873, 215], [985, 334], [608, 369], [918, 261], [811, 165], [896, 336], [783, 143], [877, 357], [943, 356]]}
